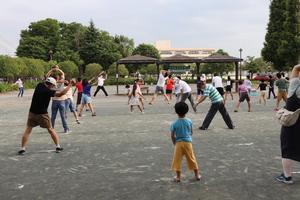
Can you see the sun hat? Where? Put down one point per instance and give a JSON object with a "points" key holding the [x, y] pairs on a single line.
{"points": [[51, 80]]}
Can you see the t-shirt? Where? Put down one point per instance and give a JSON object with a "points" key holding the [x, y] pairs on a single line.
{"points": [[79, 87], [87, 90], [229, 83], [271, 82], [177, 88], [294, 83], [170, 84], [40, 99], [182, 128], [161, 80], [262, 86], [282, 84], [184, 87], [247, 83], [19, 83], [69, 94], [217, 81], [100, 81], [213, 94], [243, 89]]}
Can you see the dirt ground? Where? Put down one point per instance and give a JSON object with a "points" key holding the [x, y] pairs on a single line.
{"points": [[119, 155]]}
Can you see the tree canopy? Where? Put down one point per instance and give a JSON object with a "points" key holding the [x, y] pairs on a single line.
{"points": [[281, 46]]}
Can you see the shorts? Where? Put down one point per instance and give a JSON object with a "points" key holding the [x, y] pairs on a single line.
{"points": [[86, 99], [70, 105], [244, 96], [228, 88], [42, 120], [168, 91], [159, 89], [184, 149], [281, 94], [220, 90], [79, 95]]}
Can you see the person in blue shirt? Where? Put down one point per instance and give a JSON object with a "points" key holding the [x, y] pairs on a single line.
{"points": [[86, 99], [181, 135]]}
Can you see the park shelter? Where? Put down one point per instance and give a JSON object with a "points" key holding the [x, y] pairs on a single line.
{"points": [[223, 59], [134, 60], [178, 58]]}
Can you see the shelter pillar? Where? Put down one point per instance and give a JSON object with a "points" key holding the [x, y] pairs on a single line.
{"points": [[236, 75], [197, 68]]}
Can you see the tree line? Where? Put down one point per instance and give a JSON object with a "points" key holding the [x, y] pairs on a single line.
{"points": [[282, 40]]}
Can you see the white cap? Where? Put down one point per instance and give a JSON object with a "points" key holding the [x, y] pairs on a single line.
{"points": [[203, 77], [51, 80]]}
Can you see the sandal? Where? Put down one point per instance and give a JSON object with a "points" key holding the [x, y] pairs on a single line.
{"points": [[94, 114]]}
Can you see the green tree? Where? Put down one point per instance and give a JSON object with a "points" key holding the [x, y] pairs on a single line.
{"points": [[69, 68], [281, 46], [92, 70], [10, 68], [146, 50], [220, 68], [123, 71], [39, 39], [289, 48], [125, 45], [35, 67], [254, 65]]}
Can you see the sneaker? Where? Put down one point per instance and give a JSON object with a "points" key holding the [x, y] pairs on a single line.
{"points": [[202, 128], [59, 149], [283, 179], [235, 110], [21, 152], [67, 131], [150, 103], [176, 180], [198, 177]]}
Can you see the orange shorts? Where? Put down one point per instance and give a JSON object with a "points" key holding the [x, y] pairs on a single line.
{"points": [[184, 149]]}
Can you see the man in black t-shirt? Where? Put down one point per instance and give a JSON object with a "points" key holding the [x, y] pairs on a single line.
{"points": [[38, 115]]}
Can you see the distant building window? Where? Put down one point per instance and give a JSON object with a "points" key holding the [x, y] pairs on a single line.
{"points": [[207, 52], [180, 52], [166, 52], [193, 52]]}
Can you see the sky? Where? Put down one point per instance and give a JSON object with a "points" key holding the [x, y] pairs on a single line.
{"points": [[220, 24]]}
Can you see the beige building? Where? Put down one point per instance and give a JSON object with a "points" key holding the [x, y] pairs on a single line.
{"points": [[165, 50]]}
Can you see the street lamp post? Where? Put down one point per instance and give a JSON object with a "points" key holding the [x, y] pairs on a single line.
{"points": [[240, 50]]}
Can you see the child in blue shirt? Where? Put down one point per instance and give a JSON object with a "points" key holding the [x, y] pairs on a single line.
{"points": [[181, 135]]}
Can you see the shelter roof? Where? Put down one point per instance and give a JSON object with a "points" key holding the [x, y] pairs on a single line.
{"points": [[137, 59]]}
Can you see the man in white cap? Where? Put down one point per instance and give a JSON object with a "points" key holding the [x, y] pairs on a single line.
{"points": [[38, 115]]}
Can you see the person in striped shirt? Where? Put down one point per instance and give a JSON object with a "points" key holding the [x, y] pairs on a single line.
{"points": [[217, 104]]}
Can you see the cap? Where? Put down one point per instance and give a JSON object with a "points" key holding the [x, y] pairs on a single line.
{"points": [[51, 80], [203, 77]]}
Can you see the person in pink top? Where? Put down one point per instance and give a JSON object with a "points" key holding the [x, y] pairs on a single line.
{"points": [[243, 92]]}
